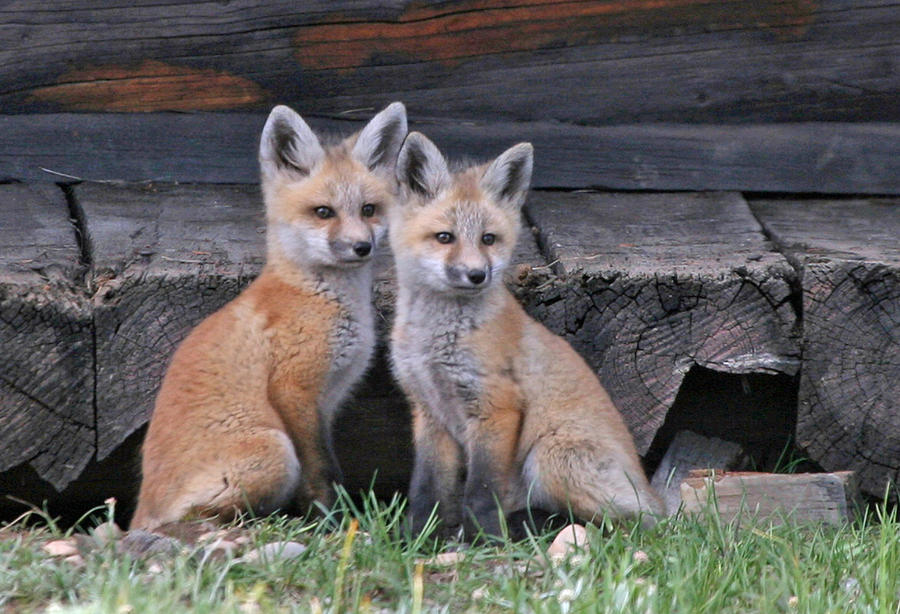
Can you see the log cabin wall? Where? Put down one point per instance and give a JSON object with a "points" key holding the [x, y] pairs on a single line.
{"points": [[702, 128]]}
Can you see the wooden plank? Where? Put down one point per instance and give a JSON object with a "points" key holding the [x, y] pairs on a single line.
{"points": [[847, 253], [689, 452], [222, 148], [47, 375], [585, 62], [769, 497], [650, 285]]}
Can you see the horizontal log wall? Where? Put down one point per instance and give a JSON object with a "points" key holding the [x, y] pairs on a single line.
{"points": [[597, 62], [824, 157]]}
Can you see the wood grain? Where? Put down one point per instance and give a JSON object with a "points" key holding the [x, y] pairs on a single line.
{"points": [[588, 62], [222, 148], [47, 374], [847, 254], [773, 498], [150, 86]]}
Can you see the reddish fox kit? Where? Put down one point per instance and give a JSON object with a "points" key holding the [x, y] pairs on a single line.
{"points": [[243, 418], [504, 411]]}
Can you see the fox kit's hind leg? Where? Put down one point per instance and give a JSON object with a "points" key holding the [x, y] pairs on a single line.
{"points": [[259, 472], [437, 473], [587, 480]]}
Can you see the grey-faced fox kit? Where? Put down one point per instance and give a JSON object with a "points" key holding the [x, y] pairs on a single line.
{"points": [[243, 418], [503, 410]]}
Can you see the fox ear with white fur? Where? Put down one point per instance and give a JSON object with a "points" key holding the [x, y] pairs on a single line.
{"points": [[507, 178], [421, 167], [379, 142], [288, 145]]}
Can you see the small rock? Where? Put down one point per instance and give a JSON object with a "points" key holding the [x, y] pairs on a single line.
{"points": [[140, 543], [570, 538], [105, 533], [61, 547], [74, 560], [444, 559], [274, 551]]}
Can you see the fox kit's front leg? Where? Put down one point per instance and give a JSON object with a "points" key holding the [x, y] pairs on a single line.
{"points": [[437, 473], [491, 458]]}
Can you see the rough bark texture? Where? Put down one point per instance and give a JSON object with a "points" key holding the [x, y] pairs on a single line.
{"points": [[221, 148], [652, 284], [47, 374], [670, 60], [847, 253]]}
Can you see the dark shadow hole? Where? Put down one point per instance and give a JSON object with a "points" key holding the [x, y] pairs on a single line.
{"points": [[756, 410]]}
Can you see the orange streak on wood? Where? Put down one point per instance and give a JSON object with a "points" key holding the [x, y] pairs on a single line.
{"points": [[151, 86], [455, 31]]}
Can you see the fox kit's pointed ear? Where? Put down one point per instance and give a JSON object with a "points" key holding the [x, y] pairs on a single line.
{"points": [[421, 167], [507, 178], [379, 142], [288, 145]]}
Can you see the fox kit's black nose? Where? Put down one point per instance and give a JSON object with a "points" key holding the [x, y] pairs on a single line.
{"points": [[362, 248], [476, 276]]}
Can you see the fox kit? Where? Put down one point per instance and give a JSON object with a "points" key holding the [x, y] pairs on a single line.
{"points": [[503, 410], [243, 418]]}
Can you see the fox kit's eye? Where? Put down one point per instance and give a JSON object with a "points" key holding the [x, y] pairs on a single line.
{"points": [[488, 238], [324, 212], [368, 210], [444, 237]]}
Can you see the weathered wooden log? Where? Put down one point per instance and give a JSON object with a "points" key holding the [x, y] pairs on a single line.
{"points": [[47, 368], [853, 158], [671, 60], [774, 498], [648, 285], [847, 253]]}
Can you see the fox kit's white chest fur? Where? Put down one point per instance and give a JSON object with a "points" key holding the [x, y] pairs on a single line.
{"points": [[352, 337], [430, 354]]}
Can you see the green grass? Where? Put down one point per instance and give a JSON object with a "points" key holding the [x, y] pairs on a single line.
{"points": [[358, 561]]}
